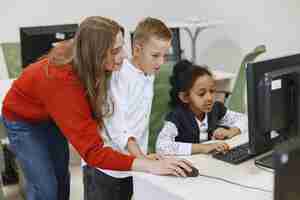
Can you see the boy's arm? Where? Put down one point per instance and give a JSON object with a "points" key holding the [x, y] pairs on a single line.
{"points": [[134, 148], [116, 124]]}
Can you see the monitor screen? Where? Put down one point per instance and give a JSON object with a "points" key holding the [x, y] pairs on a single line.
{"points": [[37, 40], [287, 161], [273, 92]]}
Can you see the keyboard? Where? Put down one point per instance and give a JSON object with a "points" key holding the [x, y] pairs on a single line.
{"points": [[235, 155], [266, 161]]}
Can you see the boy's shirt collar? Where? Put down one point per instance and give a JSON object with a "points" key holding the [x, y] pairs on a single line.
{"points": [[134, 68]]}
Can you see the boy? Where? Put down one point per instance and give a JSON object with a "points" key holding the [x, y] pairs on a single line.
{"points": [[131, 93]]}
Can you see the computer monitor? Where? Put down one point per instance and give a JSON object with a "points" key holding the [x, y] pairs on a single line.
{"points": [[287, 161], [273, 91], [37, 40]]}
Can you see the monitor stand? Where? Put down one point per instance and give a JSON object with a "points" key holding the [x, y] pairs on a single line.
{"points": [[266, 161]]}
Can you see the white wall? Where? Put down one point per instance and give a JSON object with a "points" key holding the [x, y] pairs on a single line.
{"points": [[274, 23]]}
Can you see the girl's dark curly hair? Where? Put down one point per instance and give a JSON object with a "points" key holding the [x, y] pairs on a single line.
{"points": [[183, 78]]}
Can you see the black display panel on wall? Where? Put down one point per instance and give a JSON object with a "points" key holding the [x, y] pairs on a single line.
{"points": [[37, 40]]}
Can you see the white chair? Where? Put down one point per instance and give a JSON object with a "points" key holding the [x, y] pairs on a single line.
{"points": [[3, 67], [4, 87]]}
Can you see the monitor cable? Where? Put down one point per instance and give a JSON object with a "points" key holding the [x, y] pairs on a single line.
{"points": [[234, 183]]}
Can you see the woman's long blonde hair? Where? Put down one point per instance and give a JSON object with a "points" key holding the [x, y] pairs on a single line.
{"points": [[88, 53]]}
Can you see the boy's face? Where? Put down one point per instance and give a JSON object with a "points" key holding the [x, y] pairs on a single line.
{"points": [[201, 96], [150, 55]]}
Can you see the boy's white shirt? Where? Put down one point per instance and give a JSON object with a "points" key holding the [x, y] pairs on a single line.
{"points": [[131, 92]]}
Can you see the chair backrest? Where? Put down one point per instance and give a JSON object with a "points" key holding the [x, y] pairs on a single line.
{"points": [[236, 101], [160, 103], [3, 67], [12, 57]]}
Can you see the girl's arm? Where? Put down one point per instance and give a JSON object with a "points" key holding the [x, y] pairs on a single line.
{"points": [[237, 123], [208, 148], [166, 144]]}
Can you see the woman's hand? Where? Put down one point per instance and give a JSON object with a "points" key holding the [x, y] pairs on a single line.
{"points": [[166, 166], [171, 166]]}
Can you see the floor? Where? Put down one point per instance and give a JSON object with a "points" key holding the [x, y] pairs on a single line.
{"points": [[12, 192]]}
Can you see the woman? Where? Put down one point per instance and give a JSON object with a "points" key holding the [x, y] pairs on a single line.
{"points": [[62, 97]]}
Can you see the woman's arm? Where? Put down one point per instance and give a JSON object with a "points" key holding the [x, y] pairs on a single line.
{"points": [[69, 109]]}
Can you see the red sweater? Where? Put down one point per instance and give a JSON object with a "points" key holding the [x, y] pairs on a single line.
{"points": [[38, 96]]}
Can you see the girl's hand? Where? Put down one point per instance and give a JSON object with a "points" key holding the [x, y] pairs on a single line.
{"points": [[218, 147], [222, 147], [222, 133]]}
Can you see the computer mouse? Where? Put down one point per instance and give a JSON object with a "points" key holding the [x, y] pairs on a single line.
{"points": [[193, 173]]}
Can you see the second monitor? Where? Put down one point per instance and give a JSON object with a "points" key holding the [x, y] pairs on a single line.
{"points": [[273, 101]]}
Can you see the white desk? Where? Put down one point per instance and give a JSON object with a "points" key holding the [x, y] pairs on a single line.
{"points": [[149, 187], [221, 75], [224, 83]]}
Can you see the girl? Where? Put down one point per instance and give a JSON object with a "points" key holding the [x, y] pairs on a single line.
{"points": [[195, 116], [61, 98]]}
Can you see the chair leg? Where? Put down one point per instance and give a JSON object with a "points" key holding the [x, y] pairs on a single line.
{"points": [[1, 169], [1, 191]]}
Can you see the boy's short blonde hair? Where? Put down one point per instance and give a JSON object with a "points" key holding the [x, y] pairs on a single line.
{"points": [[151, 27]]}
